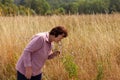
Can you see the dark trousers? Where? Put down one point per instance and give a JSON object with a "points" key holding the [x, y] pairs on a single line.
{"points": [[22, 77]]}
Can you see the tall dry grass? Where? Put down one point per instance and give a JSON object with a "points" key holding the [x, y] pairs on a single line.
{"points": [[93, 43]]}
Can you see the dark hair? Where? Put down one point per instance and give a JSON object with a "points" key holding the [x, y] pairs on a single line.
{"points": [[59, 30]]}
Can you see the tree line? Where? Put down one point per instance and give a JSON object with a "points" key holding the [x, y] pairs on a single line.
{"points": [[50, 7]]}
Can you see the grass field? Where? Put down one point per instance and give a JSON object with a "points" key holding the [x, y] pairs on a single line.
{"points": [[90, 52]]}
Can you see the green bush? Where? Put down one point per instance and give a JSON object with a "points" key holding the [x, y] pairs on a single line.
{"points": [[100, 72], [70, 66]]}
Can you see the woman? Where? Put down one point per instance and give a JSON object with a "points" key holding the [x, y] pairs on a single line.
{"points": [[38, 50]]}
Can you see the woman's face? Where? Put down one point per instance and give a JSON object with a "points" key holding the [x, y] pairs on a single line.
{"points": [[59, 38]]}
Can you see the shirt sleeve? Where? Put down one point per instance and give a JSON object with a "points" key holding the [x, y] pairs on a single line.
{"points": [[35, 44]]}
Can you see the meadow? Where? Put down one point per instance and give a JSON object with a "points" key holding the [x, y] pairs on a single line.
{"points": [[90, 52]]}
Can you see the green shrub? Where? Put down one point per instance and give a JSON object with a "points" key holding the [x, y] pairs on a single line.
{"points": [[70, 66]]}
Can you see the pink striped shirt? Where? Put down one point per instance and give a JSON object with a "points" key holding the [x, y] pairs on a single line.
{"points": [[35, 54]]}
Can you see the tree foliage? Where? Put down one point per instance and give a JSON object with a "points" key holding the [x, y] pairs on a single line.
{"points": [[49, 7]]}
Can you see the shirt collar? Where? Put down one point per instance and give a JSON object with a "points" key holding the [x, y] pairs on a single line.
{"points": [[47, 37]]}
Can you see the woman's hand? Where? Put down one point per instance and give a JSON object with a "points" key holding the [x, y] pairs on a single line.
{"points": [[55, 53], [28, 72]]}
